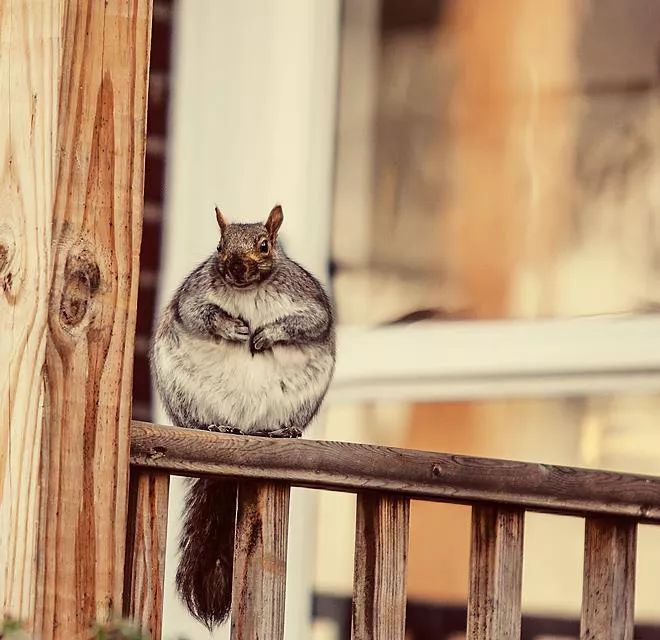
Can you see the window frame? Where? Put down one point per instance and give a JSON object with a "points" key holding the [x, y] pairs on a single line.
{"points": [[476, 360], [448, 360]]}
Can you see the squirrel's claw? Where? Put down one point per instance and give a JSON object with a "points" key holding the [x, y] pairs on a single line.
{"points": [[260, 341], [240, 332], [221, 429], [286, 432]]}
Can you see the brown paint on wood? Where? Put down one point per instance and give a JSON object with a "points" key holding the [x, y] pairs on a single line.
{"points": [[608, 596], [145, 550], [381, 551], [426, 475], [495, 573], [73, 86], [259, 581]]}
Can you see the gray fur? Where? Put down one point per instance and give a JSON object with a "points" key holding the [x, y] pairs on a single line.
{"points": [[256, 359]]}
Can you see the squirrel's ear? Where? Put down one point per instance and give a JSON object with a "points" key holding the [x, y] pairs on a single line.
{"points": [[274, 221], [222, 221]]}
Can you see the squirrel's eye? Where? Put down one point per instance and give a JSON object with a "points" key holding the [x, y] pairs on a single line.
{"points": [[263, 246]]}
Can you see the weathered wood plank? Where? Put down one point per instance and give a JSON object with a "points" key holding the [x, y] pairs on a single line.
{"points": [[259, 581], [73, 87], [381, 551], [608, 595], [495, 573], [418, 474], [144, 574]]}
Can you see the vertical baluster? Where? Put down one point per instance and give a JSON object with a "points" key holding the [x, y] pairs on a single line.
{"points": [[381, 550], [259, 579], [495, 573], [144, 574], [609, 579]]}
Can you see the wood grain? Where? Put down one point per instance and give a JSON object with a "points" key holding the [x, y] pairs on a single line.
{"points": [[145, 550], [608, 596], [381, 551], [73, 80], [259, 581], [418, 474], [496, 558]]}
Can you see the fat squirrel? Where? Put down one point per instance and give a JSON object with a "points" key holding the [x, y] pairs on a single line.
{"points": [[247, 346]]}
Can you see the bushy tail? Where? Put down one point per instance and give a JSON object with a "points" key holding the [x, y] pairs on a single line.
{"points": [[207, 549]]}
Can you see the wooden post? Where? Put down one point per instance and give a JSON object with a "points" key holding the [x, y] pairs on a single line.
{"points": [[381, 552], [259, 581], [145, 550], [609, 579], [73, 88], [495, 573]]}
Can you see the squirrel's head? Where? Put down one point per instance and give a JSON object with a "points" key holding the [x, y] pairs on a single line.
{"points": [[247, 252]]}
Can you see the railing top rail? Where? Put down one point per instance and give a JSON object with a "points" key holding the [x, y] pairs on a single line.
{"points": [[418, 474]]}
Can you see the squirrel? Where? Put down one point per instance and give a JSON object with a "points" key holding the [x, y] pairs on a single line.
{"points": [[245, 346]]}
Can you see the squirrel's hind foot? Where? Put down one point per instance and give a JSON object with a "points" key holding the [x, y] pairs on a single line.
{"points": [[215, 428], [286, 432]]}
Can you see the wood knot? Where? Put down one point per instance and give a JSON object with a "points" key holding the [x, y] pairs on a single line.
{"points": [[6, 277], [7, 251], [157, 452], [82, 279]]}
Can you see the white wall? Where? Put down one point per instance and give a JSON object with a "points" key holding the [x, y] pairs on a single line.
{"points": [[252, 124]]}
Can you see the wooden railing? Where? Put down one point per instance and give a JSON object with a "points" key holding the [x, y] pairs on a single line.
{"points": [[385, 479]]}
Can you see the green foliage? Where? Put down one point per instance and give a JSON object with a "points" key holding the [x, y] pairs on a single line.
{"points": [[117, 631], [11, 629]]}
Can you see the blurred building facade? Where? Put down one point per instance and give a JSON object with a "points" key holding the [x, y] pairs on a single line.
{"points": [[499, 161]]}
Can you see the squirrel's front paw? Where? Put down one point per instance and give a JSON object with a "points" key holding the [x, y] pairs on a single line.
{"points": [[233, 329], [262, 340]]}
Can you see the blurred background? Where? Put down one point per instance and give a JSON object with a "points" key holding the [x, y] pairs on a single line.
{"points": [[478, 184]]}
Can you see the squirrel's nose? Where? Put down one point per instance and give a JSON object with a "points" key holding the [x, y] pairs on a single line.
{"points": [[237, 268]]}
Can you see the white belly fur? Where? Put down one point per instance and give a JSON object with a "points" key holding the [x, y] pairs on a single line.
{"points": [[228, 385]]}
